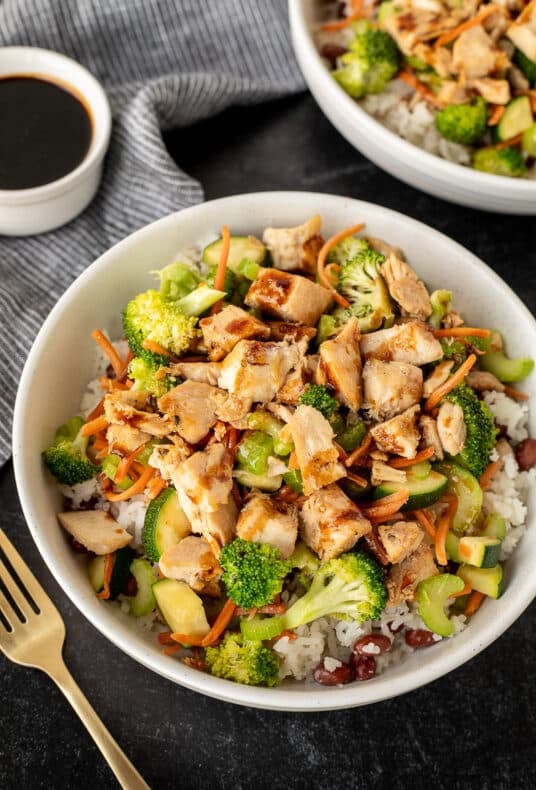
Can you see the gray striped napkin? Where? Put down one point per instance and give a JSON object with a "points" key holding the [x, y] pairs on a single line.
{"points": [[164, 64]]}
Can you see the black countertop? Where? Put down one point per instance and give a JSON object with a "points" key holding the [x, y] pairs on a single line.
{"points": [[474, 728]]}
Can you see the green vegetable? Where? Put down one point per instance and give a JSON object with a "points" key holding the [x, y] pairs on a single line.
{"points": [[318, 397], [109, 468], [264, 421], [480, 426], [488, 581], [243, 661], [293, 479], [517, 117], [463, 123], [181, 608], [441, 302], [263, 482], [143, 372], [254, 451], [479, 550], [500, 162], [306, 562], [452, 543], [347, 249], [351, 436], [177, 280], [67, 457], [370, 64], [350, 586], [363, 286], [199, 301], [528, 142], [503, 368], [494, 526], [327, 324], [241, 248], [527, 65], [253, 573], [229, 281], [467, 489], [165, 524], [120, 571], [422, 492], [432, 596], [248, 269], [144, 601]]}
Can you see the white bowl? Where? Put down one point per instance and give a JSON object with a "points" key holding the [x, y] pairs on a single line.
{"points": [[24, 212], [61, 361], [385, 148]]}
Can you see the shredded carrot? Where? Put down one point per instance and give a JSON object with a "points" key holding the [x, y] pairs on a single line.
{"points": [[171, 649], [156, 486], [125, 463], [164, 638], [109, 560], [220, 624], [94, 426], [343, 455], [136, 488], [96, 411], [497, 112], [291, 636], [488, 474], [450, 383], [323, 254], [466, 589], [231, 439], [340, 24], [396, 516], [219, 278], [386, 505], [126, 362], [462, 331], [426, 522], [332, 271], [115, 360], [156, 348], [444, 524], [473, 603], [513, 393], [359, 452], [357, 479], [410, 79], [507, 143], [451, 35], [401, 463], [293, 461]]}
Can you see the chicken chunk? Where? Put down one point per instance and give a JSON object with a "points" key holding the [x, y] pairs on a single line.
{"points": [[234, 410], [218, 526], [412, 342], [493, 90], [437, 377], [193, 561], [403, 578], [451, 427], [383, 247], [288, 297], [482, 381], [205, 478], [295, 249], [194, 404], [390, 387], [168, 457], [96, 530], [204, 372], [430, 436], [400, 539], [383, 473], [399, 435], [340, 365], [330, 523], [406, 288], [522, 32], [123, 439], [255, 371], [222, 331], [125, 407], [288, 330], [317, 456], [474, 53], [295, 383], [264, 519]]}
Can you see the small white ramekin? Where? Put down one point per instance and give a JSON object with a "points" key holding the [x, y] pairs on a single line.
{"points": [[24, 212]]}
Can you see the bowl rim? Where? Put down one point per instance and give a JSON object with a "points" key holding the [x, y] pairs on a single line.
{"points": [[423, 160], [284, 698], [97, 104]]}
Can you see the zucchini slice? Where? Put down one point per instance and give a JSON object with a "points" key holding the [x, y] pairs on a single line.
{"points": [[262, 482], [165, 524], [144, 601], [432, 596], [181, 608], [516, 118], [494, 526], [488, 581], [422, 491], [466, 487], [242, 248], [120, 573], [479, 550]]}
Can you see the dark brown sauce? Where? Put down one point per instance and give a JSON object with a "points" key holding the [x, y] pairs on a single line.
{"points": [[45, 131]]}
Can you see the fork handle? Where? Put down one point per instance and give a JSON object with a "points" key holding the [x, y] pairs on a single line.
{"points": [[125, 773]]}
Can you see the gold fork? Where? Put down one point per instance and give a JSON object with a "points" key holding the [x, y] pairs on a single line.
{"points": [[32, 633]]}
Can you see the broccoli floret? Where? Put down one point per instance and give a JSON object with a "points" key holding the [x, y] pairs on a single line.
{"points": [[361, 283], [67, 456], [347, 249], [177, 280], [350, 586], [500, 162], [228, 283], [143, 372], [458, 350], [307, 563], [243, 661], [481, 431], [369, 65], [527, 66], [318, 397], [463, 123], [253, 573]]}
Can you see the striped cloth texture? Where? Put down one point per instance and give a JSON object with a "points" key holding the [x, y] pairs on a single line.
{"points": [[164, 64]]}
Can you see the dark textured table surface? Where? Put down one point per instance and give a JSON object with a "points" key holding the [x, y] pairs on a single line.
{"points": [[474, 728]]}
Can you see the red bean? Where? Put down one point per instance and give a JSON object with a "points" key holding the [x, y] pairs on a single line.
{"points": [[333, 677], [332, 52], [526, 453], [372, 645], [364, 667], [419, 637]]}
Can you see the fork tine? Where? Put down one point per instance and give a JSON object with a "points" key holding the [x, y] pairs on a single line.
{"points": [[15, 591], [33, 587], [8, 613]]}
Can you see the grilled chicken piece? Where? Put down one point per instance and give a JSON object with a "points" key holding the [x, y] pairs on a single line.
{"points": [[317, 456], [96, 530], [204, 372], [255, 371], [193, 561], [406, 288], [222, 331], [288, 297], [217, 527], [383, 473], [205, 478], [430, 436], [340, 365], [452, 93], [403, 578], [451, 427], [474, 53], [400, 539], [124, 440], [295, 383], [330, 523], [412, 342], [264, 519], [522, 32], [493, 90], [195, 406], [234, 410], [167, 457], [482, 381], [295, 249], [124, 407], [390, 387], [399, 435], [280, 411], [437, 377], [287, 330]]}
